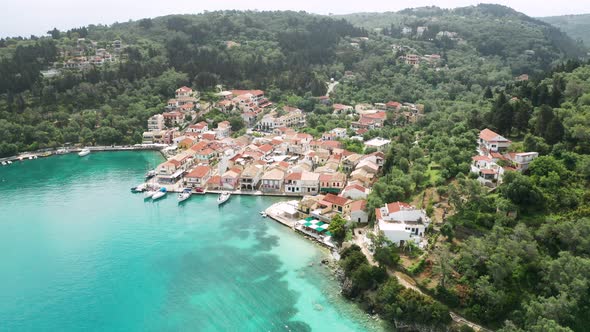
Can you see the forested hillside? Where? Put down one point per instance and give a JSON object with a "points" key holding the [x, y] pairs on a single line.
{"points": [[576, 26], [284, 53]]}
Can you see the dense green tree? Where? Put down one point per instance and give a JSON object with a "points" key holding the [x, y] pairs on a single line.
{"points": [[337, 227]]}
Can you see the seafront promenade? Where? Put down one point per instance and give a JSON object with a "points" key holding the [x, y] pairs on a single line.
{"points": [[52, 152]]}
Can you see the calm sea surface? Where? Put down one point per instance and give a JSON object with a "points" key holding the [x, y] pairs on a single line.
{"points": [[79, 252]]}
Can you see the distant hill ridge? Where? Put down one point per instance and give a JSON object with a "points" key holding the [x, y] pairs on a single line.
{"points": [[576, 26], [493, 29]]}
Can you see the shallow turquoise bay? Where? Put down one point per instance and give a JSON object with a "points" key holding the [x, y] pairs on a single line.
{"points": [[79, 252]]}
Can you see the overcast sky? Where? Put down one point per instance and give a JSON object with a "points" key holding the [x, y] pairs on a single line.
{"points": [[26, 17]]}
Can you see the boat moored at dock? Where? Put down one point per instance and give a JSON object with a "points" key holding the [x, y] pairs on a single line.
{"points": [[84, 152], [223, 197], [159, 194], [184, 195], [139, 189], [150, 174]]}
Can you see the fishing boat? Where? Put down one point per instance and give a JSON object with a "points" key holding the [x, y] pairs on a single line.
{"points": [[84, 152], [223, 197], [140, 188], [159, 194], [150, 174], [184, 195]]}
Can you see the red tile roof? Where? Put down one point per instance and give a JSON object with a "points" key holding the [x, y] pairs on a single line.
{"points": [[359, 205], [243, 92], [184, 89], [488, 171], [397, 206], [479, 158], [393, 104], [294, 176], [186, 141], [199, 146], [215, 180], [266, 148], [209, 136], [205, 152], [199, 172], [355, 186], [490, 136], [331, 144], [336, 200]]}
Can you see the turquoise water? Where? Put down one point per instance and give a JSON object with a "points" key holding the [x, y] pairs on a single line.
{"points": [[79, 252]]}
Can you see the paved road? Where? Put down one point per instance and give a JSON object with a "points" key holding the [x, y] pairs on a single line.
{"points": [[407, 281]]}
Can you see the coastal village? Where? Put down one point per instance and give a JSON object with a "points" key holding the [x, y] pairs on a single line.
{"points": [[274, 158]]}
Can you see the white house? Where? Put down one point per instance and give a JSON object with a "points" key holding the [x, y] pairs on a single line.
{"points": [[490, 141], [355, 191], [378, 143], [198, 128], [522, 160], [401, 222], [184, 92], [156, 122], [339, 132], [302, 182], [358, 211]]}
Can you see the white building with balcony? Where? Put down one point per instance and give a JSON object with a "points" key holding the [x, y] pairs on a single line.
{"points": [[401, 223]]}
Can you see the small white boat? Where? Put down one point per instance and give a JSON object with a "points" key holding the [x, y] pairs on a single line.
{"points": [[140, 188], [150, 174], [148, 194], [184, 195], [4, 163], [84, 152], [263, 214], [159, 194], [9, 162], [223, 197]]}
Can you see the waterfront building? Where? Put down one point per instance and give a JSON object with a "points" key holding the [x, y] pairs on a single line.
{"points": [[401, 222], [272, 181], [198, 177]]}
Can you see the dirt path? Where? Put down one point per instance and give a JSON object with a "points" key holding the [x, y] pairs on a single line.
{"points": [[331, 86], [407, 281]]}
